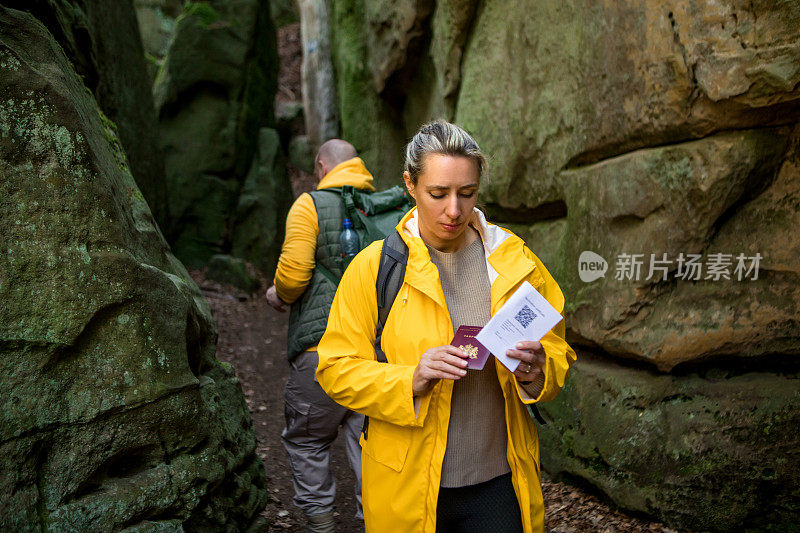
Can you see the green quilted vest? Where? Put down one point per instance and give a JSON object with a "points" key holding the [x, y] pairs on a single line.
{"points": [[309, 314]]}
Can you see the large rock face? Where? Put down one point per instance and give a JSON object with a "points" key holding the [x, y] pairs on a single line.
{"points": [[367, 119], [716, 449], [643, 133], [102, 42], [114, 412], [214, 92], [262, 204]]}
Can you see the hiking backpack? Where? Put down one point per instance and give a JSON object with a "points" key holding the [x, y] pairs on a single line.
{"points": [[374, 214]]}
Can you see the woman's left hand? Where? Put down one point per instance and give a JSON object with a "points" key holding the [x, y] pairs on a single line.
{"points": [[532, 360]]}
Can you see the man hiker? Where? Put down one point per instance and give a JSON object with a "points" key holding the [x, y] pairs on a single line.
{"points": [[309, 266]]}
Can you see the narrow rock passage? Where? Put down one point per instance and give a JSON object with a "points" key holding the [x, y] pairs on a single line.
{"points": [[252, 337]]}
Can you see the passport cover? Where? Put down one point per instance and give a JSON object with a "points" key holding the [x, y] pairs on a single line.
{"points": [[465, 340]]}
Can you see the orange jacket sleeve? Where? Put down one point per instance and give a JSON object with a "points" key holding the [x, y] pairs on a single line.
{"points": [[296, 262]]}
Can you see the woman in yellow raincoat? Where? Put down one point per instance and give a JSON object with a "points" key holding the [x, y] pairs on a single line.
{"points": [[447, 449]]}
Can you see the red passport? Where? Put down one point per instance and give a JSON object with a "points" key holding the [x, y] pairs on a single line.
{"points": [[466, 341]]}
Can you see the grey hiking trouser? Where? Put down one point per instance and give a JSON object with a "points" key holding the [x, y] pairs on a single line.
{"points": [[312, 424]]}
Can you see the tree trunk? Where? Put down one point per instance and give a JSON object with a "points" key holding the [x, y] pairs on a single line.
{"points": [[319, 91]]}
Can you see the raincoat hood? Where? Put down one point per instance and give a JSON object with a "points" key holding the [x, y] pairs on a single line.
{"points": [[350, 172]]}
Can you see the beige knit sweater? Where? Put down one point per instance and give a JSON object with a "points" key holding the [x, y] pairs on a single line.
{"points": [[476, 436]]}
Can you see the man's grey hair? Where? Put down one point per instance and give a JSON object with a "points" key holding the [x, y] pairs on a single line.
{"points": [[441, 137]]}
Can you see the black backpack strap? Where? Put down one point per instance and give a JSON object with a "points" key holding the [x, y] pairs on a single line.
{"points": [[347, 192], [536, 414], [391, 273]]}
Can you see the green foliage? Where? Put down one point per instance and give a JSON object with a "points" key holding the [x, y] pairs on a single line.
{"points": [[205, 14]]}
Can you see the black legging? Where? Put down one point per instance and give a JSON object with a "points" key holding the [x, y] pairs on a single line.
{"points": [[489, 506]]}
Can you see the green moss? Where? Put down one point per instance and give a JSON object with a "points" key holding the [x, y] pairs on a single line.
{"points": [[153, 60], [673, 170], [202, 11], [372, 125], [260, 85], [113, 141]]}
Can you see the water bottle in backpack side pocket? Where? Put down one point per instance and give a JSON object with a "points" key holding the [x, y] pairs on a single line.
{"points": [[349, 241]]}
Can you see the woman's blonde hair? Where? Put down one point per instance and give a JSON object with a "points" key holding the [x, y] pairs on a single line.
{"points": [[440, 137]]}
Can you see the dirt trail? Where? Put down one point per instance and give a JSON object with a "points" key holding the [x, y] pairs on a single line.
{"points": [[252, 337]]}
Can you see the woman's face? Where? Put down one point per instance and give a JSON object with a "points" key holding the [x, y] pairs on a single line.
{"points": [[446, 192]]}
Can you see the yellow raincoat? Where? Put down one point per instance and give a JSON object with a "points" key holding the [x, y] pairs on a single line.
{"points": [[403, 451]]}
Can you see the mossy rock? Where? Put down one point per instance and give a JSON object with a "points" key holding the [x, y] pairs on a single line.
{"points": [[713, 450], [263, 204], [102, 41], [232, 271], [114, 412], [214, 92], [675, 200], [301, 153], [370, 123], [157, 25], [289, 117]]}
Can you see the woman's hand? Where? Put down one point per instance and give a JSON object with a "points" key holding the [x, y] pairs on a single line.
{"points": [[532, 360], [442, 362]]}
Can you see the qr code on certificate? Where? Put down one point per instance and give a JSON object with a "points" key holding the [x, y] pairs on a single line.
{"points": [[525, 316]]}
